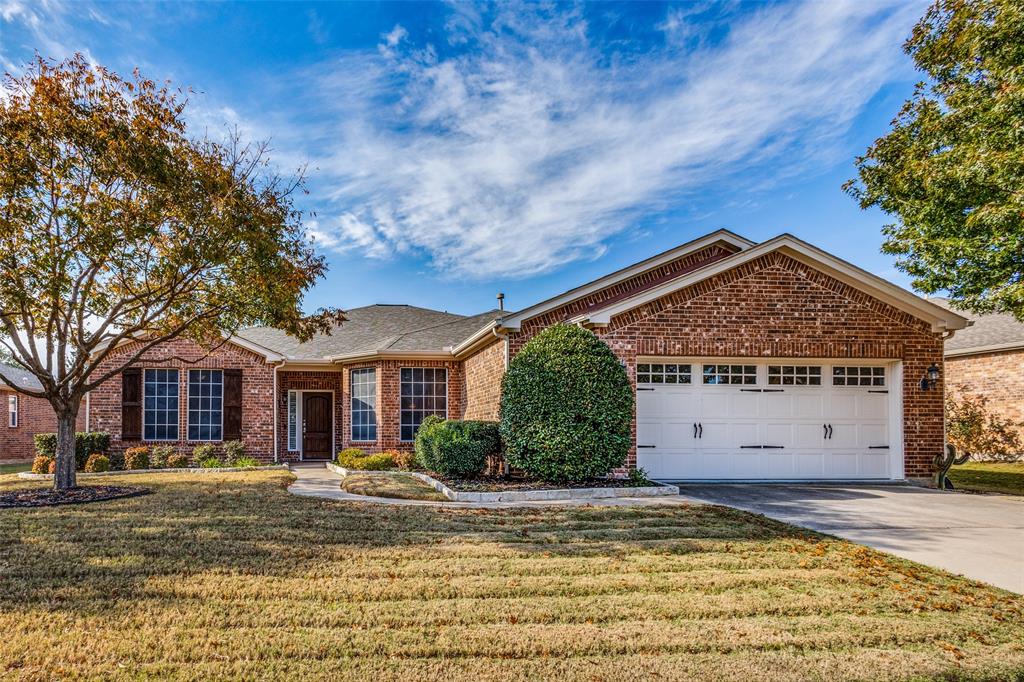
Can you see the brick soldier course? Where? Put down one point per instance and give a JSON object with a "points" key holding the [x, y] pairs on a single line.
{"points": [[720, 296]]}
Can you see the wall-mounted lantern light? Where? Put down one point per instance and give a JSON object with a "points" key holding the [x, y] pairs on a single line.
{"points": [[931, 378]]}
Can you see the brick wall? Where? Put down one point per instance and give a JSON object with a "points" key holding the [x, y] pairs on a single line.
{"points": [[624, 289], [34, 416], [257, 393], [999, 377], [778, 307], [482, 377]]}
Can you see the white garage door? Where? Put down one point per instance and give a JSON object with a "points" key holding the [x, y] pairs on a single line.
{"points": [[770, 420]]}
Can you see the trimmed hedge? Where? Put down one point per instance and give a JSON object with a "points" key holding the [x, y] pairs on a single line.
{"points": [[355, 458], [86, 443], [566, 407], [456, 448]]}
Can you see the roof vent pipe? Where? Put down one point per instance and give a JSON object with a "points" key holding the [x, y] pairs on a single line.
{"points": [[501, 301]]}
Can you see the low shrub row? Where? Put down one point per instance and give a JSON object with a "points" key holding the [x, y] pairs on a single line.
{"points": [[355, 458], [86, 444], [155, 457]]}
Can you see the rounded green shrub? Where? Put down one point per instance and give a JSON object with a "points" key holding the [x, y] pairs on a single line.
{"points": [[566, 407], [424, 443], [457, 448], [97, 463]]}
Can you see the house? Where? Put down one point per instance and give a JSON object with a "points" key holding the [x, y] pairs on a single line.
{"points": [[987, 359], [751, 361], [25, 415]]}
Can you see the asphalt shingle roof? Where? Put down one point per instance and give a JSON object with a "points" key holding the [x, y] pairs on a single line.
{"points": [[19, 377], [377, 328], [996, 329]]}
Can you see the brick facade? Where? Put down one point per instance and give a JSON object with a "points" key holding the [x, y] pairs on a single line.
{"points": [[34, 416], [999, 377], [482, 378], [183, 355], [775, 306]]}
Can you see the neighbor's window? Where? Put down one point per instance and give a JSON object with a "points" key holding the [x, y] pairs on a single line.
{"points": [[858, 376], [12, 411], [364, 404], [424, 391], [730, 374], [662, 374], [160, 412], [205, 404], [794, 375]]}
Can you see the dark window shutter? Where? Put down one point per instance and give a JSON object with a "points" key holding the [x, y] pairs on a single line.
{"points": [[131, 404], [232, 404]]}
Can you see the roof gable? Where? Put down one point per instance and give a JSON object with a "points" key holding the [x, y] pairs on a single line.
{"points": [[733, 241], [940, 318]]}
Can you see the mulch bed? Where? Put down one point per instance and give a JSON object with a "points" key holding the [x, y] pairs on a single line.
{"points": [[496, 485], [48, 497]]}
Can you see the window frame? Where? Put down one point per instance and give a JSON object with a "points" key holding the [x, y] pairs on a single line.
{"points": [[371, 425], [743, 374], [807, 374], [177, 406], [682, 374], [876, 377], [293, 418], [13, 405], [199, 411], [425, 413]]}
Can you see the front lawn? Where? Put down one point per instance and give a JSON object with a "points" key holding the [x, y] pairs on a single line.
{"points": [[229, 576], [989, 477], [399, 486], [14, 467]]}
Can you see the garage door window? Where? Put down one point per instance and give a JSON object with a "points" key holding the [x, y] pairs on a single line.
{"points": [[730, 374], [858, 376], [794, 375], [663, 374]]}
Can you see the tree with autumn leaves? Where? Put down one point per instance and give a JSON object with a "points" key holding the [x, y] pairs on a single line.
{"points": [[116, 226]]}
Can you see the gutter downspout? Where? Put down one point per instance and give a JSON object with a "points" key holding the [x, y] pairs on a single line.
{"points": [[276, 365], [503, 337], [88, 411]]}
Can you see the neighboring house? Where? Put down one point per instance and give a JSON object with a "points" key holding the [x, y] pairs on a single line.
{"points": [[24, 416], [987, 359], [751, 361]]}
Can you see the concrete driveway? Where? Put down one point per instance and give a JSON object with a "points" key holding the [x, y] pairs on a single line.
{"points": [[978, 536]]}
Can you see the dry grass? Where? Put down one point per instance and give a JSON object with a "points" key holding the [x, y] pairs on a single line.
{"points": [[990, 477], [399, 486], [228, 576]]}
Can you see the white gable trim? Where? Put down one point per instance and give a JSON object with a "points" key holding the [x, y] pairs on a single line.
{"points": [[515, 320], [940, 318]]}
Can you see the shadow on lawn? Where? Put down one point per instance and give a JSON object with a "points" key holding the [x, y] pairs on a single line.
{"points": [[67, 557]]}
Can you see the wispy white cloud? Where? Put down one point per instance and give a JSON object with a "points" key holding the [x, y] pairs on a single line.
{"points": [[533, 148]]}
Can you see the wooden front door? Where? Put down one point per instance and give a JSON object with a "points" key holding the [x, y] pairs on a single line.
{"points": [[316, 426]]}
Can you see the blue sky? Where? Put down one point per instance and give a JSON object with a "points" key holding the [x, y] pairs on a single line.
{"points": [[458, 150]]}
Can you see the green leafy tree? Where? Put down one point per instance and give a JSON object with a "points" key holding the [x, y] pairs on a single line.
{"points": [[951, 170], [117, 226]]}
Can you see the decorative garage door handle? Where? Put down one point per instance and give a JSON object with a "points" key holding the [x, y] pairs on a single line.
{"points": [[646, 446], [762, 447], [878, 447]]}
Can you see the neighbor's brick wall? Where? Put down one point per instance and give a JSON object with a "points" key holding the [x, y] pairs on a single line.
{"points": [[181, 354], [482, 377], [999, 377], [778, 307]]}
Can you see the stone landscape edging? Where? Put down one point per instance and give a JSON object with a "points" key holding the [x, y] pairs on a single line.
{"points": [[185, 470], [658, 490]]}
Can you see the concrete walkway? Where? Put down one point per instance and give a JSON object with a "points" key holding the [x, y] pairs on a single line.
{"points": [[315, 480], [978, 536]]}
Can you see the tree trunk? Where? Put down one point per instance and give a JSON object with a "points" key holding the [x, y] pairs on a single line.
{"points": [[65, 475]]}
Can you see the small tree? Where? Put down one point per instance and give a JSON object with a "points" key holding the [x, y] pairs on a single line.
{"points": [[116, 226], [951, 170], [566, 406], [974, 430]]}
